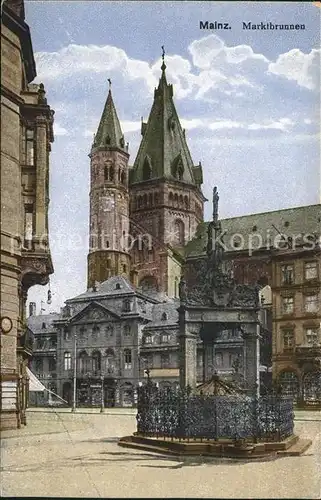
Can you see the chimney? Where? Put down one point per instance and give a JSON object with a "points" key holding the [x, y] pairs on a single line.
{"points": [[32, 308]]}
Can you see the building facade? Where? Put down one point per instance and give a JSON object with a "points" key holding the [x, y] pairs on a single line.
{"points": [[26, 136], [44, 357], [296, 289]]}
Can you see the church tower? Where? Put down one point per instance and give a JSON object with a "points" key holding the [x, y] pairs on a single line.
{"points": [[109, 200], [166, 200]]}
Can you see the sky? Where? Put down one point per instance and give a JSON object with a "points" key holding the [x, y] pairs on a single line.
{"points": [[248, 99]]}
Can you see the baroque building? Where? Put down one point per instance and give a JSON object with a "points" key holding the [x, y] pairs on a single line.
{"points": [[27, 134]]}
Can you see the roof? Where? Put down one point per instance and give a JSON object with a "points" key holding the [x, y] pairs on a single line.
{"points": [[36, 323], [260, 227], [163, 152], [109, 133], [158, 315], [116, 285], [217, 387]]}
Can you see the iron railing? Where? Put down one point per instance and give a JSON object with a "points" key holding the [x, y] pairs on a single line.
{"points": [[179, 414]]}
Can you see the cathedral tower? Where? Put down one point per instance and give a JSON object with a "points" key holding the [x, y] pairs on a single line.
{"points": [[109, 200], [166, 200]]}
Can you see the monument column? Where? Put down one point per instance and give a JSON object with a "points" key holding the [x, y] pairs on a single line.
{"points": [[251, 336], [187, 352]]}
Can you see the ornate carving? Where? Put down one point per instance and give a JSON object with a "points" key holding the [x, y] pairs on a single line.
{"points": [[245, 296]]}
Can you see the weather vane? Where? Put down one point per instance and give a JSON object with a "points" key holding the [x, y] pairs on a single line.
{"points": [[163, 52], [109, 81]]}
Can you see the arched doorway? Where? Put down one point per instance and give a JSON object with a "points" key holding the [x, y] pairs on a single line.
{"points": [[289, 384], [312, 387], [66, 392]]}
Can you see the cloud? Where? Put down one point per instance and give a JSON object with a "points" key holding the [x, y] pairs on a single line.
{"points": [[59, 130], [298, 66], [211, 48], [283, 124]]}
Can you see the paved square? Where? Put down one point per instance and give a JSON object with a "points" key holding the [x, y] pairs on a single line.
{"points": [[64, 454]]}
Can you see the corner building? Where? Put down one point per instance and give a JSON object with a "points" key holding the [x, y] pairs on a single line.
{"points": [[26, 137]]}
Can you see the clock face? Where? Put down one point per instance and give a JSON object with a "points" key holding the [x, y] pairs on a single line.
{"points": [[6, 324]]}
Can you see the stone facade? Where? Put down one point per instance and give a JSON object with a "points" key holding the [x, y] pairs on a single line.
{"points": [[296, 346], [26, 134]]}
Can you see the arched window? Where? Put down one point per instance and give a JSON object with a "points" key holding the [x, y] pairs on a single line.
{"points": [[67, 361], [110, 360], [126, 305], [147, 170], [155, 199], [150, 199], [175, 199], [186, 202], [176, 287], [96, 362], [96, 331], [111, 173], [109, 331], [181, 200], [122, 177], [179, 232], [164, 316], [127, 359], [83, 361], [140, 201], [127, 330], [106, 173], [170, 198]]}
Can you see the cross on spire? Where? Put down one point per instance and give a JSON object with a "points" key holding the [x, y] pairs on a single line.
{"points": [[163, 67]]}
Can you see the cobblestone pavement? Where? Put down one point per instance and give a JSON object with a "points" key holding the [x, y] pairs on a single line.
{"points": [[76, 454]]}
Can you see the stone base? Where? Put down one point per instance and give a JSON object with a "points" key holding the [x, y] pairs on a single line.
{"points": [[9, 420], [222, 448]]}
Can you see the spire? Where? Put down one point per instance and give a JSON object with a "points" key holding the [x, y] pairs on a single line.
{"points": [[163, 150], [109, 133]]}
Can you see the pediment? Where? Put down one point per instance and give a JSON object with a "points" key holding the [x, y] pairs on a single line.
{"points": [[94, 312]]}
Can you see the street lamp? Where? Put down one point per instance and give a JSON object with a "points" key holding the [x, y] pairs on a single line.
{"points": [[102, 407], [73, 409]]}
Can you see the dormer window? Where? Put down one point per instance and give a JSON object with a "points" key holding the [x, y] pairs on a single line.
{"points": [[108, 140], [117, 287], [43, 326], [164, 316]]}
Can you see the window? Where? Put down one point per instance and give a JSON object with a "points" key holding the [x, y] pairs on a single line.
{"points": [[67, 335], [288, 339], [287, 274], [127, 359], [38, 365], [124, 268], [312, 336], [311, 303], [82, 331], [28, 222], [67, 361], [179, 232], [218, 359], [164, 316], [96, 362], [109, 331], [165, 360], [127, 330], [83, 362], [310, 270], [96, 331], [52, 364], [165, 338], [110, 360], [108, 263], [287, 305], [126, 305], [147, 171], [30, 147], [148, 339]]}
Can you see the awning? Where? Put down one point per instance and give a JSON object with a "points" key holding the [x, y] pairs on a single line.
{"points": [[34, 383]]}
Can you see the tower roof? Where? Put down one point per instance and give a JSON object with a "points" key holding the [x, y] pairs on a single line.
{"points": [[163, 151], [109, 133]]}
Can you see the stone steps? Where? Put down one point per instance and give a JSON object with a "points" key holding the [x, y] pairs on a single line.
{"points": [[296, 449]]}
